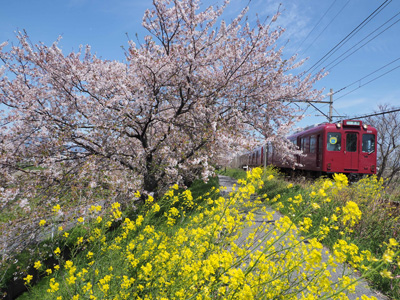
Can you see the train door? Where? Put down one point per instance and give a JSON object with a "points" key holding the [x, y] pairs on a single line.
{"points": [[319, 150], [298, 148], [351, 153]]}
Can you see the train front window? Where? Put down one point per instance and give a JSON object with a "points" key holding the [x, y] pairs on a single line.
{"points": [[351, 142], [368, 143], [334, 141]]}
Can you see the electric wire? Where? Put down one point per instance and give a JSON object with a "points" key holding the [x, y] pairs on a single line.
{"points": [[323, 30], [354, 32], [376, 114], [371, 39], [346, 39], [377, 70], [349, 36], [315, 26], [360, 86], [395, 68]]}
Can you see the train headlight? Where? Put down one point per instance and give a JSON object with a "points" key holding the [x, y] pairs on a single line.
{"points": [[365, 126], [338, 125]]}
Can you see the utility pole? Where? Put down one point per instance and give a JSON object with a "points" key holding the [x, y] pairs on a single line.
{"points": [[329, 116]]}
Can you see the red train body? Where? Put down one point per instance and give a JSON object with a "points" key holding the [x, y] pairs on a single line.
{"points": [[346, 147]]}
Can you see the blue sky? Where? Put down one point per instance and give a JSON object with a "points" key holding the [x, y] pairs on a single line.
{"points": [[313, 28]]}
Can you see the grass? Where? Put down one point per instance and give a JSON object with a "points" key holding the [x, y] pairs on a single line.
{"points": [[234, 173]]}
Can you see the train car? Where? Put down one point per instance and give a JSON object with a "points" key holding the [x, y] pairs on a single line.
{"points": [[346, 147]]}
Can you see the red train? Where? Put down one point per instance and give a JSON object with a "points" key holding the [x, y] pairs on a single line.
{"points": [[345, 147]]}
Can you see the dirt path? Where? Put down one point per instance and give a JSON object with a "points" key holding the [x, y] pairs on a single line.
{"points": [[362, 287]]}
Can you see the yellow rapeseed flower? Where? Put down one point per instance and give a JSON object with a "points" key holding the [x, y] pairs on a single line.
{"points": [[315, 205], [54, 286], [393, 242], [351, 213], [150, 199], [56, 208], [115, 205], [386, 274], [71, 279], [156, 207], [388, 256], [37, 265], [28, 279], [69, 264]]}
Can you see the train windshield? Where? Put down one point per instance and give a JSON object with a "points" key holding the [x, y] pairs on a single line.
{"points": [[334, 141], [368, 143]]}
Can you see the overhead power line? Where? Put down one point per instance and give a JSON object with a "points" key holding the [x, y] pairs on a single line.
{"points": [[323, 30], [371, 39], [349, 36], [359, 80], [368, 82], [376, 114], [315, 26]]}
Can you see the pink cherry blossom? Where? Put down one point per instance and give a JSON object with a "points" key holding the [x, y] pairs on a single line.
{"points": [[196, 91]]}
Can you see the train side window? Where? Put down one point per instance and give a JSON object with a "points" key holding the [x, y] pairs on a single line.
{"points": [[307, 145], [313, 143], [368, 143], [334, 141], [351, 142]]}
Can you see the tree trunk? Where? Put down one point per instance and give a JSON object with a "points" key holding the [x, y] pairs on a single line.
{"points": [[150, 182]]}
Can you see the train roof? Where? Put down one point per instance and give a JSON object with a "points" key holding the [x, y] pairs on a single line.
{"points": [[343, 124]]}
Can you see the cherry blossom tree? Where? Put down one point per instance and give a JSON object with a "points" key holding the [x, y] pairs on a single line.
{"points": [[79, 128], [195, 90]]}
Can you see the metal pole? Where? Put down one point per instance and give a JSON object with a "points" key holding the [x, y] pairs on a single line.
{"points": [[330, 105], [265, 156]]}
